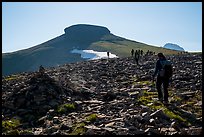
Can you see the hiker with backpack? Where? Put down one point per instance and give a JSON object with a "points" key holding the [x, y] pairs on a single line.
{"points": [[163, 71], [132, 52], [137, 57]]}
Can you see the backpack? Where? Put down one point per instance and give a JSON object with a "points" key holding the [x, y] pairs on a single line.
{"points": [[166, 70]]}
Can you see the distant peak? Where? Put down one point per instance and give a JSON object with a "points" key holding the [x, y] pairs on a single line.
{"points": [[173, 46]]}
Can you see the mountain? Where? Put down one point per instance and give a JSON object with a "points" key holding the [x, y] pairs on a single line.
{"points": [[104, 97], [57, 51], [173, 47]]}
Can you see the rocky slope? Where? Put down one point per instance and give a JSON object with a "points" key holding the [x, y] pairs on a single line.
{"points": [[104, 97]]}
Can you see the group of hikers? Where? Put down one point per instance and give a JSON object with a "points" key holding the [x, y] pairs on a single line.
{"points": [[163, 71], [138, 53]]}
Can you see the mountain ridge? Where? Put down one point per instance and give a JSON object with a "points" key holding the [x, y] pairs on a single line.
{"points": [[57, 50]]}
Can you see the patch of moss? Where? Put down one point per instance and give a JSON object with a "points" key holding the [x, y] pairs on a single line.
{"points": [[146, 93], [176, 99], [145, 100], [173, 115], [92, 118], [9, 125], [157, 105], [13, 132], [26, 132], [171, 93], [78, 129], [64, 108], [190, 103], [147, 82], [12, 77]]}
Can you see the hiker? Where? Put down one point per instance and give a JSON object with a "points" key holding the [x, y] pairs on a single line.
{"points": [[132, 52], [141, 52], [147, 52], [163, 71], [108, 54], [41, 69], [137, 57]]}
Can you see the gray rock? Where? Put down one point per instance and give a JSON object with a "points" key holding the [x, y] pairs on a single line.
{"points": [[159, 113], [90, 132], [152, 122], [134, 94], [151, 131], [52, 129], [108, 129], [41, 120], [56, 120]]}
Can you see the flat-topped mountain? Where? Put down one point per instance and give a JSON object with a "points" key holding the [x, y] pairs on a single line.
{"points": [[57, 51]]}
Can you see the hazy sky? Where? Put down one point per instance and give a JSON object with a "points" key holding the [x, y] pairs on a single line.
{"points": [[27, 24]]}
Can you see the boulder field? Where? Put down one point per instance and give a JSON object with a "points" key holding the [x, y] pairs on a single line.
{"points": [[104, 97]]}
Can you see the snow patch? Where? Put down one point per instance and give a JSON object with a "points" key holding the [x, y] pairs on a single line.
{"points": [[91, 54]]}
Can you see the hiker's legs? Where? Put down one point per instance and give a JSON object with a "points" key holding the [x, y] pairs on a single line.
{"points": [[158, 86], [166, 94], [136, 61]]}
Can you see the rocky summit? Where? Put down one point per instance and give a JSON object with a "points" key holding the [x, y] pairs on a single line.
{"points": [[104, 97]]}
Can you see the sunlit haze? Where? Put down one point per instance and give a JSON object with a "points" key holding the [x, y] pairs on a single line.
{"points": [[27, 24]]}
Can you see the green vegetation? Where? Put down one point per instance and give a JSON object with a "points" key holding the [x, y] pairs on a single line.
{"points": [[78, 129], [146, 99], [173, 115], [26, 132], [176, 99], [12, 77], [13, 132], [92, 118], [64, 108], [147, 82], [122, 47], [9, 126]]}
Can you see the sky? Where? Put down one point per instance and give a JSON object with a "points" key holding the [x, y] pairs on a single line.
{"points": [[27, 24]]}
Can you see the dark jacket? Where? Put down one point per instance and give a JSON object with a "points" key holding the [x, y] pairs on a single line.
{"points": [[158, 67]]}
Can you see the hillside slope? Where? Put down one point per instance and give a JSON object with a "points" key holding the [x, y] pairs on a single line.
{"points": [[57, 50], [104, 97]]}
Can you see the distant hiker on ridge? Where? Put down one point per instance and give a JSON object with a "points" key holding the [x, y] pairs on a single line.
{"points": [[137, 57], [132, 52], [108, 54], [164, 71], [141, 52], [41, 69]]}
